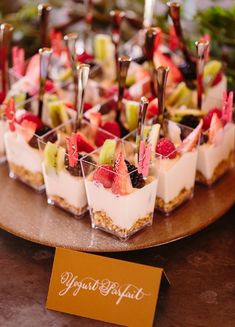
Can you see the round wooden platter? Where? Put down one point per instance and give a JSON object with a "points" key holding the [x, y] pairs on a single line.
{"points": [[26, 214]]}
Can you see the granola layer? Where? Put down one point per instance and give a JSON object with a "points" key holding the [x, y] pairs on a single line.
{"points": [[167, 207], [102, 221], [219, 171], [35, 180], [60, 202]]}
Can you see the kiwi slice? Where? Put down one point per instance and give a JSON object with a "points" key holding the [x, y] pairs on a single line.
{"points": [[57, 112], [60, 159], [212, 68], [130, 80], [107, 152], [132, 112], [65, 75], [153, 136], [101, 45], [181, 95], [50, 157]]}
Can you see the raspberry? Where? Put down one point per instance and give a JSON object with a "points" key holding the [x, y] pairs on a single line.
{"points": [[208, 117], [166, 148]]}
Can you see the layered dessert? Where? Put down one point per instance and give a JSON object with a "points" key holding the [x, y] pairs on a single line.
{"points": [[121, 201], [216, 151], [62, 168], [21, 142], [3, 129], [177, 171]]}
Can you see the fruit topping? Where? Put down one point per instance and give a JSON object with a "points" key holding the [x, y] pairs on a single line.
{"points": [[112, 127], [166, 148], [76, 170], [50, 157], [107, 152], [30, 117], [95, 118], [132, 112], [152, 110], [101, 137], [58, 113], [27, 129], [211, 71], [153, 136], [173, 132], [216, 129], [190, 121], [104, 175], [181, 95], [122, 182], [83, 144], [137, 179], [208, 117], [191, 141]]}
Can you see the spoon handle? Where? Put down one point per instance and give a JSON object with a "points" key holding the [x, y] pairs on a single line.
{"points": [[44, 12], [202, 49]]}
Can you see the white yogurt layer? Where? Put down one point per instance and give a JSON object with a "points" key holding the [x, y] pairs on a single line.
{"points": [[123, 210], [20, 153], [68, 187], [210, 155], [176, 174], [3, 130], [213, 97]]}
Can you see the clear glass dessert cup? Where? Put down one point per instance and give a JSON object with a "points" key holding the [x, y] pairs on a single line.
{"points": [[177, 172], [120, 215], [64, 184], [215, 159]]}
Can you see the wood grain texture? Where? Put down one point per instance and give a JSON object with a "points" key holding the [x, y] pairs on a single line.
{"points": [[26, 214]]}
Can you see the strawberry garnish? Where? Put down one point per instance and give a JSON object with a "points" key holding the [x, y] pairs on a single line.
{"points": [[216, 128], [101, 137], [104, 175], [166, 148], [112, 127], [191, 141], [27, 116], [87, 106], [27, 129], [217, 79], [95, 118], [122, 182], [83, 144], [152, 109], [84, 57], [208, 117]]}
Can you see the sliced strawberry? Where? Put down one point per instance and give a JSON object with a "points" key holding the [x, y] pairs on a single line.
{"points": [[122, 182], [69, 105], [191, 141], [208, 117], [32, 71], [216, 127], [217, 79], [164, 60], [112, 127], [141, 74], [83, 144], [95, 118], [152, 109], [84, 57], [104, 175], [101, 137], [27, 116], [166, 148], [87, 106], [49, 86], [27, 129]]}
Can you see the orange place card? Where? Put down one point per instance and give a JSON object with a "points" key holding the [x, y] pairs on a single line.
{"points": [[105, 289]]}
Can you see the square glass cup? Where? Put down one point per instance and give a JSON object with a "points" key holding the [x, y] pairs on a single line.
{"points": [[119, 215], [177, 171], [65, 184], [215, 159]]}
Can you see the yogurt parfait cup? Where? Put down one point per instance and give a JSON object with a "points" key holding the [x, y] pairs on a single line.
{"points": [[178, 150], [62, 173], [121, 202]]}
